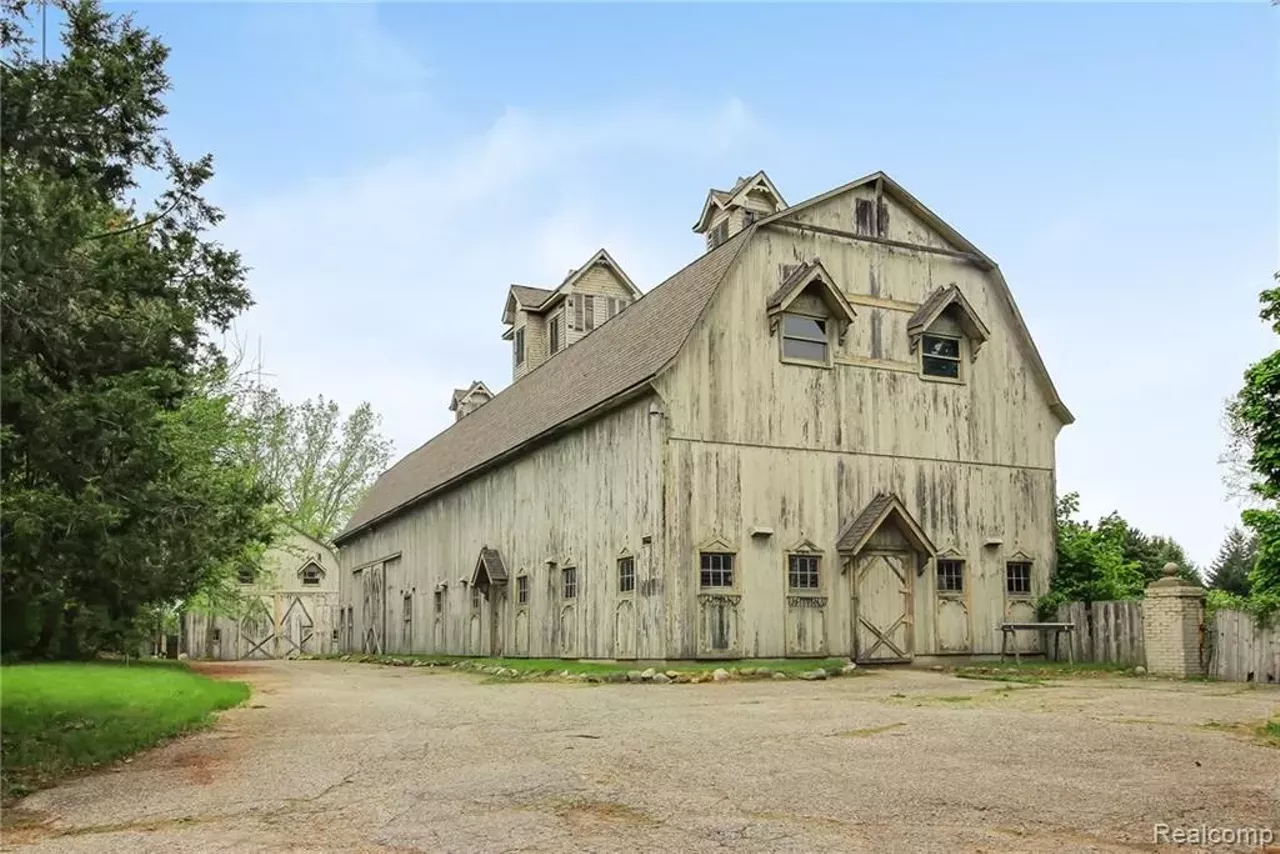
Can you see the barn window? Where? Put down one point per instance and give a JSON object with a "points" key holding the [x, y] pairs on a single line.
{"points": [[569, 582], [583, 318], [245, 574], [1017, 577], [335, 635], [716, 569], [408, 607], [522, 590], [217, 635], [519, 346], [556, 320], [802, 572], [311, 576], [940, 356], [950, 576], [805, 339], [439, 602], [626, 574], [616, 305]]}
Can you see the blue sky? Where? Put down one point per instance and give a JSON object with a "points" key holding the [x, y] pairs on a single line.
{"points": [[389, 170]]}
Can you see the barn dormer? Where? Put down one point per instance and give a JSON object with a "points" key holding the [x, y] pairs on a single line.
{"points": [[726, 212], [543, 322], [467, 400]]}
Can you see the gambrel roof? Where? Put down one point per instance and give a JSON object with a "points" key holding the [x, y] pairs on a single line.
{"points": [[965, 248], [614, 362], [614, 365]]}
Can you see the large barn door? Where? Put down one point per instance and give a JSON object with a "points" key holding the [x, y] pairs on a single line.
{"points": [[882, 628], [257, 630], [373, 610], [299, 628]]}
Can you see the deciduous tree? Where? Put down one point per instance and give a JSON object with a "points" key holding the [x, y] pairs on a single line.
{"points": [[319, 462], [1256, 412]]}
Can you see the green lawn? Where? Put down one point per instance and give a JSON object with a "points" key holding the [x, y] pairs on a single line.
{"points": [[59, 717]]}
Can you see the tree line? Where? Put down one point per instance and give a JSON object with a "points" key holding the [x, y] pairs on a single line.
{"points": [[138, 467]]}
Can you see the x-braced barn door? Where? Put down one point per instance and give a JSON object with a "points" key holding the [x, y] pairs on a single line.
{"points": [[882, 612], [373, 609], [257, 631], [299, 628]]}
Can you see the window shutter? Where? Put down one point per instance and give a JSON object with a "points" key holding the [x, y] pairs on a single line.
{"points": [[863, 213], [882, 218], [589, 311], [575, 321]]}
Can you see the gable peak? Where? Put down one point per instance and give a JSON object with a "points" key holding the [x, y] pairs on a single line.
{"points": [[726, 212]]}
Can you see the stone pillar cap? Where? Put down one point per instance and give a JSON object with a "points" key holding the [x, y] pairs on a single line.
{"points": [[1170, 578]]}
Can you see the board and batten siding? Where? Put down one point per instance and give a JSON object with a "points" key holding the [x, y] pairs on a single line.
{"points": [[580, 501], [756, 442]]}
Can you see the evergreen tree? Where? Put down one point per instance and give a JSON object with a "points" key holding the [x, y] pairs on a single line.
{"points": [[126, 480], [1229, 572]]}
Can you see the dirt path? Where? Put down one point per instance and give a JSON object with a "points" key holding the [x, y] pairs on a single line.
{"points": [[351, 757]]}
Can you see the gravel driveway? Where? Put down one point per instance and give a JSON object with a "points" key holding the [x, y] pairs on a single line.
{"points": [[352, 757]]}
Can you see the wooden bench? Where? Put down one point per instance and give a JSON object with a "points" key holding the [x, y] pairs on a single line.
{"points": [[1010, 630]]}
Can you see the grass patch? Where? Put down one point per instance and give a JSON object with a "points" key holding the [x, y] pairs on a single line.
{"points": [[1270, 732], [1267, 732], [60, 717], [553, 666], [1037, 672]]}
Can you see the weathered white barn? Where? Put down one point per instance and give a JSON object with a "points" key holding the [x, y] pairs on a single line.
{"points": [[288, 606], [830, 434]]}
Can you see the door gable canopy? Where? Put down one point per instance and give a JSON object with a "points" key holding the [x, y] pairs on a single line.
{"points": [[490, 569], [881, 509]]}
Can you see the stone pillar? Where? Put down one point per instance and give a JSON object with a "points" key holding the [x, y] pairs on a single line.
{"points": [[1172, 626]]}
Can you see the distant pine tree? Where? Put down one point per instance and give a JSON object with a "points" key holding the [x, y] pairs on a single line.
{"points": [[1230, 570]]}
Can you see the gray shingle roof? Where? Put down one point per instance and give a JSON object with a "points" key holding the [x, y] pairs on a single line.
{"points": [[941, 299], [857, 530], [494, 568], [784, 290], [877, 511], [928, 307], [627, 351], [530, 297]]}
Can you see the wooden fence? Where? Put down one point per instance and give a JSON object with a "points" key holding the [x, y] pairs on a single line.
{"points": [[1239, 648], [1242, 650], [1109, 632]]}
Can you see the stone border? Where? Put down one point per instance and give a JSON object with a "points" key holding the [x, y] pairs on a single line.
{"points": [[650, 675]]}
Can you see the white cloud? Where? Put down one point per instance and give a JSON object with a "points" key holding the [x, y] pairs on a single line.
{"points": [[388, 284]]}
